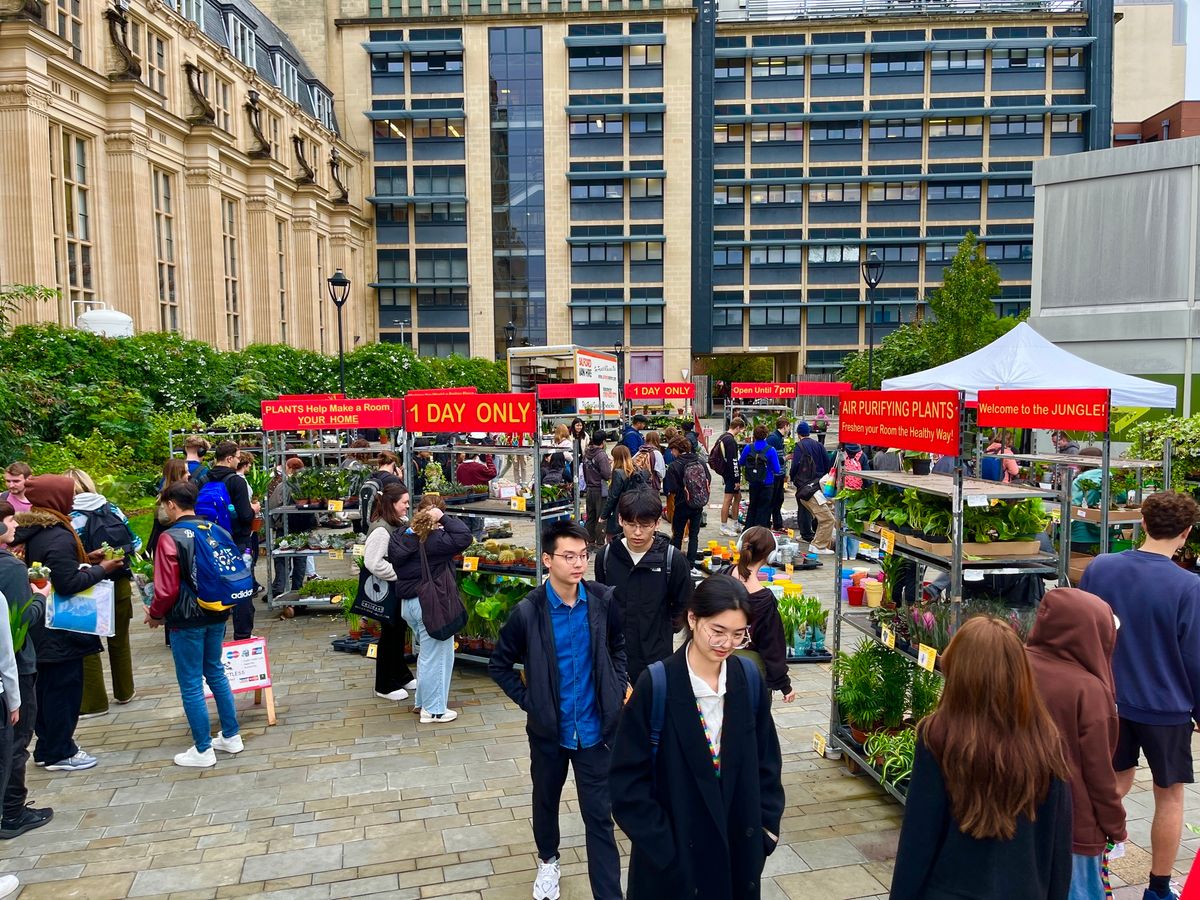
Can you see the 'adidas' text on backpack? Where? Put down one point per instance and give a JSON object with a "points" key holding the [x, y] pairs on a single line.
{"points": [[213, 503], [219, 573], [695, 485]]}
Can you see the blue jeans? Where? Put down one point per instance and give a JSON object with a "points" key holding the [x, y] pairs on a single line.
{"points": [[1085, 878], [435, 662], [197, 653], [850, 547]]}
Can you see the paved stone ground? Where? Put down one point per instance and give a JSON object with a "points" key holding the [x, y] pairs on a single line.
{"points": [[349, 796]]}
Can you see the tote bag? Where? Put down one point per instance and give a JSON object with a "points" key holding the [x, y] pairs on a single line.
{"points": [[442, 608], [376, 598], [88, 612]]}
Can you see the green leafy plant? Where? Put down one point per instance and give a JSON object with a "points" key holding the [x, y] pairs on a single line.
{"points": [[893, 752], [858, 678], [925, 693], [17, 623]]}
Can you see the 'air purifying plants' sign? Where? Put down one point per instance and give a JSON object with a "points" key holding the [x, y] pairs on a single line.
{"points": [[496, 413], [663, 390], [922, 421], [764, 390], [1084, 409]]}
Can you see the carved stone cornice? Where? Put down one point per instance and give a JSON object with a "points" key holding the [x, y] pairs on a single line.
{"points": [[25, 94], [304, 223], [260, 203], [202, 176], [33, 10], [118, 142]]}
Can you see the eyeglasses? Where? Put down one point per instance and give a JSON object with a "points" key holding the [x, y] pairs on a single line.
{"points": [[719, 637], [572, 559]]}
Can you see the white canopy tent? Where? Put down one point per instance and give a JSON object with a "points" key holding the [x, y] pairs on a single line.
{"points": [[1022, 358]]}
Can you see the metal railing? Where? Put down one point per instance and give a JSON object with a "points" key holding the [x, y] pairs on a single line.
{"points": [[759, 10]]}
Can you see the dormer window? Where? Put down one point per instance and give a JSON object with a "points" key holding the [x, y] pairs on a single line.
{"points": [[322, 106], [287, 76], [241, 40]]}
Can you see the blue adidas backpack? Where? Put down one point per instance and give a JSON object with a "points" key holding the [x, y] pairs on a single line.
{"points": [[219, 572], [213, 503]]}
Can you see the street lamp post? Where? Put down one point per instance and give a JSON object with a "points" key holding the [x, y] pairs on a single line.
{"points": [[510, 332], [339, 293], [618, 351], [872, 272]]}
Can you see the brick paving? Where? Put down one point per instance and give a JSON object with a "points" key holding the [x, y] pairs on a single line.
{"points": [[349, 796]]}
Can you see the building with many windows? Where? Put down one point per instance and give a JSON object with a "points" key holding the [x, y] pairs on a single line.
{"points": [[178, 161]]}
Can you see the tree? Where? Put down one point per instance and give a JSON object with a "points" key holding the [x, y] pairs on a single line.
{"points": [[731, 368], [14, 296]]}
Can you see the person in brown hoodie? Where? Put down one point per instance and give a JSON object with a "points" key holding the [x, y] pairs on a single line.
{"points": [[1070, 651]]}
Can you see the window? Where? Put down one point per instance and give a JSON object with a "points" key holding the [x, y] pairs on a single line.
{"points": [[596, 58], [194, 10], [838, 64], [597, 124], [966, 127], [287, 76], [899, 255], [436, 63], [776, 132], [727, 256], [282, 270], [69, 25], [598, 253], [598, 190], [1069, 123], [906, 191], [967, 190], [1019, 59], [762, 194], [644, 55], [444, 344], [729, 195], [392, 265], [322, 106], [440, 213], [724, 317], [1010, 190], [832, 254], [834, 193], [897, 63], [832, 314], [645, 123], [241, 40], [441, 265], [642, 188], [1002, 125], [393, 214], [440, 129], [776, 256], [219, 93], [645, 251], [391, 181], [320, 287], [645, 315], [441, 298], [387, 63], [777, 66], [389, 131], [730, 68], [896, 130], [1022, 252], [274, 129], [1068, 57], [729, 134], [150, 49], [956, 60], [835, 131], [71, 194], [439, 180], [229, 244], [597, 315], [164, 250], [774, 315]]}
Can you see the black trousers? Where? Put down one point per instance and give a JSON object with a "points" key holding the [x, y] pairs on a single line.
{"points": [[759, 510], [59, 695], [777, 491], [548, 768], [15, 792], [686, 517], [391, 671], [243, 613], [593, 504]]}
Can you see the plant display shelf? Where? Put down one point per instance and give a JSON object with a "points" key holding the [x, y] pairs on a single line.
{"points": [[943, 486], [841, 739], [488, 506], [1088, 462], [344, 514], [862, 623], [1041, 563], [493, 569]]}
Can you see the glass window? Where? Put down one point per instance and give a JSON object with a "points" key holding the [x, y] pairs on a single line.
{"points": [[950, 60], [645, 187], [287, 76], [1010, 190], [71, 193], [68, 22], [241, 40], [1014, 252], [439, 180], [968, 190], [441, 265], [729, 134], [1019, 59], [835, 131], [391, 181], [323, 106], [1068, 57], [777, 66], [596, 123], [838, 64], [436, 62], [729, 195], [440, 213], [834, 193], [907, 191], [896, 129], [598, 190], [1002, 125], [645, 123], [1069, 123], [438, 129], [834, 254], [645, 251], [899, 254], [965, 127], [642, 55], [164, 249], [776, 132], [596, 58], [727, 256], [895, 63], [730, 68], [230, 229]]}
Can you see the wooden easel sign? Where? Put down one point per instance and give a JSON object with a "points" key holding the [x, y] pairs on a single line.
{"points": [[248, 668]]}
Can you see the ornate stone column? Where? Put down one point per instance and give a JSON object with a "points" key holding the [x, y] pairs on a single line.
{"points": [[260, 276], [306, 283], [131, 282], [202, 263]]}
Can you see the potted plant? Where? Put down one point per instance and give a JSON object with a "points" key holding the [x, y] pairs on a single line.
{"points": [[920, 463], [816, 618], [39, 575], [924, 694], [353, 620], [857, 696]]}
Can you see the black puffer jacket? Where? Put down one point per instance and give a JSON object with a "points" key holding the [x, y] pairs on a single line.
{"points": [[442, 545], [528, 637], [49, 539], [14, 585]]}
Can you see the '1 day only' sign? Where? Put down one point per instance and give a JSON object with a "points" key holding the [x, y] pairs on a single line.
{"points": [[502, 413], [923, 421]]}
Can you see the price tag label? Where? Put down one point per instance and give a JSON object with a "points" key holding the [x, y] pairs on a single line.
{"points": [[517, 503], [887, 541], [926, 657], [372, 651], [791, 532], [359, 550], [470, 563], [888, 637], [337, 554], [977, 500], [335, 505], [789, 569], [819, 743]]}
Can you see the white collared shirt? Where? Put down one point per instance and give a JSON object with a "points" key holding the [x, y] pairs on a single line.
{"points": [[711, 703]]}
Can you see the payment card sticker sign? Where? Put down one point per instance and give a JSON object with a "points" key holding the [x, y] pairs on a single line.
{"points": [[246, 665]]}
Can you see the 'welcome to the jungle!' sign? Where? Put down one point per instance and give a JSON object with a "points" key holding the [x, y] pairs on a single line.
{"points": [[923, 421]]}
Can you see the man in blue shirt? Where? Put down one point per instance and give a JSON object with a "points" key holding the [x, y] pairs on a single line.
{"points": [[632, 438], [1156, 667], [569, 636]]}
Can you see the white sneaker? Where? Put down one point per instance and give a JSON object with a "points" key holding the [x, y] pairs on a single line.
{"points": [[77, 763], [411, 686], [8, 884], [545, 886], [193, 758], [726, 530], [401, 694], [228, 745], [428, 718], [813, 548]]}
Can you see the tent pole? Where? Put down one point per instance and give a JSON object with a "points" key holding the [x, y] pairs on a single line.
{"points": [[1106, 480]]}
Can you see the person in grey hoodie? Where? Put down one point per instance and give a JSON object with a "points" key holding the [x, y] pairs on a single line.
{"points": [[19, 818], [597, 471]]}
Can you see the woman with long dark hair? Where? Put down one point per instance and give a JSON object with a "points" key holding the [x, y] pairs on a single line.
{"points": [[768, 645], [988, 814], [393, 678], [701, 807], [173, 470]]}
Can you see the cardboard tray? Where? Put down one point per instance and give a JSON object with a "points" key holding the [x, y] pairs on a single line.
{"points": [[1115, 516], [993, 549]]}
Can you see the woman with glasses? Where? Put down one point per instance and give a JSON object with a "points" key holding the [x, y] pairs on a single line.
{"points": [[700, 794], [768, 647]]}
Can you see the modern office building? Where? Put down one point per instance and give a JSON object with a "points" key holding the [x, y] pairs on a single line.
{"points": [[1178, 120], [683, 179], [178, 161]]}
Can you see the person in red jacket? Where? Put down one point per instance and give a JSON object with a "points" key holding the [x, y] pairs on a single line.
{"points": [[474, 471], [1070, 651]]}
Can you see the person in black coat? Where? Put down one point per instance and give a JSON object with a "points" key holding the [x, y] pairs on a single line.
{"points": [[48, 538], [702, 822], [568, 633], [775, 439]]}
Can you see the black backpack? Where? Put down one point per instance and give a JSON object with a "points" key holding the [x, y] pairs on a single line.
{"points": [[804, 473], [756, 467], [105, 526]]}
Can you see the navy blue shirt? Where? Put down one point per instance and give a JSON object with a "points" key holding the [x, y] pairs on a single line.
{"points": [[578, 716], [632, 438]]}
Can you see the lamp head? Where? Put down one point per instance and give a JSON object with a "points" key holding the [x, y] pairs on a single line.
{"points": [[872, 270], [339, 288], [510, 331]]}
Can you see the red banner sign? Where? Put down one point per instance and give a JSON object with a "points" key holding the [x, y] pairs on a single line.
{"points": [[923, 421], [1070, 410], [306, 415], [823, 388], [767, 390], [569, 391], [419, 392], [503, 413], [666, 390], [310, 397]]}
